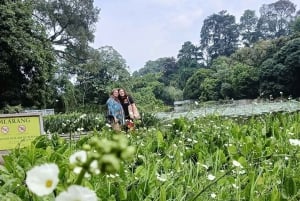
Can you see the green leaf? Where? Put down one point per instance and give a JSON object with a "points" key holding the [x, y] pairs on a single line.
{"points": [[160, 139], [12, 197], [275, 195], [243, 161], [163, 194], [289, 186], [232, 150], [122, 192]]}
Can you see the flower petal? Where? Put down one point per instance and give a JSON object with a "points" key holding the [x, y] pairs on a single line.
{"points": [[43, 179], [77, 193]]}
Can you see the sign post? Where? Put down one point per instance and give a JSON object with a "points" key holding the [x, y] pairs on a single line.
{"points": [[19, 130]]}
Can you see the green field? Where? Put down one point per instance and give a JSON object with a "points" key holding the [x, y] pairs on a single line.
{"points": [[208, 158]]}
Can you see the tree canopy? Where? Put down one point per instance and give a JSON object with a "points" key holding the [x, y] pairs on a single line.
{"points": [[69, 24], [26, 60], [46, 59]]}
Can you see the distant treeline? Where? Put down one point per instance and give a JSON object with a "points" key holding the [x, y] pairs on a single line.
{"points": [[46, 60]]}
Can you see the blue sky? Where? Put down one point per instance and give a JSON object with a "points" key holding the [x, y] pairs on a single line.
{"points": [[143, 30]]}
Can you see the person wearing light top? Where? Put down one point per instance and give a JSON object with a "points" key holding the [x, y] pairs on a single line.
{"points": [[115, 109]]}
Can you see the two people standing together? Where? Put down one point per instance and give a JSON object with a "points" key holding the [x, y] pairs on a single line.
{"points": [[121, 110]]}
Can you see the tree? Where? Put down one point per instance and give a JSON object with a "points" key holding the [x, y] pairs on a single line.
{"points": [[192, 89], [239, 80], [244, 81], [189, 55], [289, 56], [248, 28], [168, 94], [271, 77], [105, 66], [275, 18], [281, 72], [188, 61], [170, 69], [296, 25], [210, 89], [156, 66], [260, 52], [144, 89], [69, 25], [66, 94], [26, 59], [219, 35]]}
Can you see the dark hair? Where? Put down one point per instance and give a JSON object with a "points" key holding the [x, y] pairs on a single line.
{"points": [[125, 92]]}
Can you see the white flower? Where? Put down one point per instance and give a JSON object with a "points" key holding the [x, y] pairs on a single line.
{"points": [[189, 140], [294, 142], [213, 195], [77, 193], [43, 179], [211, 177], [80, 129], [82, 116], [205, 166], [78, 157], [162, 177], [94, 167], [140, 156], [236, 164]]}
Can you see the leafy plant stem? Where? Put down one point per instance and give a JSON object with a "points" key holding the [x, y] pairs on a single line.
{"points": [[80, 176], [84, 169], [212, 183]]}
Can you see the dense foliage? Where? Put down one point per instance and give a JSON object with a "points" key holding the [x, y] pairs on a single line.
{"points": [[26, 57], [46, 60], [208, 158], [220, 68]]}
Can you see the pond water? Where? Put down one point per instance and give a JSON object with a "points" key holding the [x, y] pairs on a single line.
{"points": [[234, 109]]}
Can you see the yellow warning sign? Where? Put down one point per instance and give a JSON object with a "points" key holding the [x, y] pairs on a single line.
{"points": [[19, 130]]}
